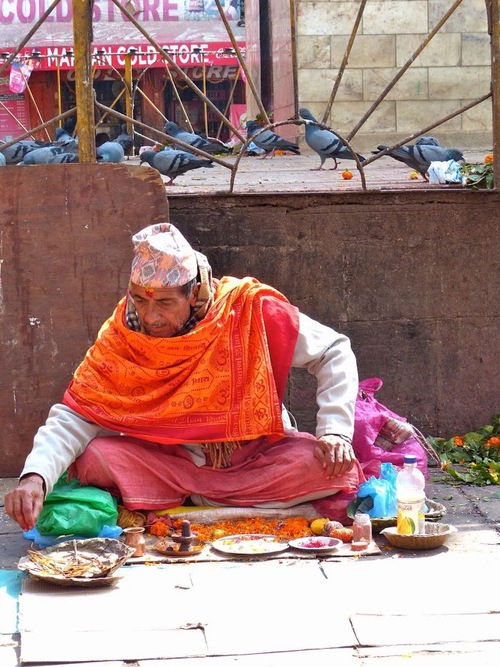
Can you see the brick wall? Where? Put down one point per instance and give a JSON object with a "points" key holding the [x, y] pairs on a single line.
{"points": [[453, 70]]}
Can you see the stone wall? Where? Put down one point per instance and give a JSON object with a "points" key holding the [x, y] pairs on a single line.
{"points": [[411, 277], [453, 69]]}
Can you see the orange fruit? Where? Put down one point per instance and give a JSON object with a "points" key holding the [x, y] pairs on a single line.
{"points": [[317, 525]]}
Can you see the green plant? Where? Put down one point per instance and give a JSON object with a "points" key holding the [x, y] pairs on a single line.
{"points": [[473, 458], [478, 176]]}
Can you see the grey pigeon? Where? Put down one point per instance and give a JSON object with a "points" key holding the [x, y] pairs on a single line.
{"points": [[195, 140], [427, 141], [325, 142], [125, 140], [419, 158], [15, 153], [43, 155], [269, 141], [173, 163], [64, 138], [3, 161], [110, 151], [65, 158], [101, 138]]}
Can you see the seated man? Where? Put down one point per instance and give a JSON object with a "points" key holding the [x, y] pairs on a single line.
{"points": [[180, 397]]}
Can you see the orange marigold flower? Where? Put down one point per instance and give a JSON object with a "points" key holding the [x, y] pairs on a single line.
{"points": [[494, 441], [288, 528], [160, 529], [458, 441], [489, 158]]}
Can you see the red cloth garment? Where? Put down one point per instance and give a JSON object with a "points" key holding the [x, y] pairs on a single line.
{"points": [[151, 476]]}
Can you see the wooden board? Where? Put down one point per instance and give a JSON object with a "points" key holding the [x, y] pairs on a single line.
{"points": [[65, 253]]}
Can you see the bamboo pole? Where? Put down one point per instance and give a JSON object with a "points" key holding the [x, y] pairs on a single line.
{"points": [[243, 67], [30, 133], [345, 60], [430, 127], [403, 69], [177, 95], [494, 24], [295, 62], [33, 101], [84, 84], [229, 101], [175, 66], [164, 136], [59, 96], [128, 91], [205, 110]]}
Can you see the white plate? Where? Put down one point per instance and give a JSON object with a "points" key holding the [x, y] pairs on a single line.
{"points": [[316, 544], [255, 544]]}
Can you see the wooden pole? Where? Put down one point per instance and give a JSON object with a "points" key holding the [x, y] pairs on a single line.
{"points": [[82, 37], [205, 110], [493, 7], [243, 66], [59, 96], [128, 91]]}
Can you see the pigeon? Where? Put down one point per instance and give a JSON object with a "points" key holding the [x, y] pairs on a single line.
{"points": [[110, 151], [325, 142], [64, 138], [69, 124], [65, 158], [172, 163], [427, 141], [44, 155], [195, 140], [101, 138], [15, 153], [125, 140], [269, 141], [420, 157], [3, 161]]}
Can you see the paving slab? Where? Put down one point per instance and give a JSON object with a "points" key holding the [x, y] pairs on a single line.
{"points": [[451, 618], [297, 173]]}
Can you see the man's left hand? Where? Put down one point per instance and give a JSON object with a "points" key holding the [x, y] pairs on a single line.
{"points": [[336, 455]]}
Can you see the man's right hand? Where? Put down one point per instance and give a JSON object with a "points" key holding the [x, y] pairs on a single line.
{"points": [[25, 502]]}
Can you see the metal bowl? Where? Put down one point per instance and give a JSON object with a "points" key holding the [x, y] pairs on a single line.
{"points": [[77, 562]]}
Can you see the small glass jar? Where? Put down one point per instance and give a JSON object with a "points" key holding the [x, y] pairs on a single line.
{"points": [[362, 529]]}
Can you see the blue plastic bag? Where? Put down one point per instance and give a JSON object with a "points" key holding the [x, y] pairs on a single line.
{"points": [[48, 540], [382, 491]]}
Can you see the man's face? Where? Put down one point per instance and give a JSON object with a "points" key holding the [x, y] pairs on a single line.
{"points": [[162, 312]]}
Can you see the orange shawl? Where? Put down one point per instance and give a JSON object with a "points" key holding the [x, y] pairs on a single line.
{"points": [[221, 382]]}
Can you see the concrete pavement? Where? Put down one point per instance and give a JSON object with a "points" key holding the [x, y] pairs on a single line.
{"points": [[438, 608]]}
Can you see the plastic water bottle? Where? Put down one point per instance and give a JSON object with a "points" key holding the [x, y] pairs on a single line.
{"points": [[410, 496]]}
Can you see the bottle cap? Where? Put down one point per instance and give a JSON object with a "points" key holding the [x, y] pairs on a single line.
{"points": [[410, 458]]}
